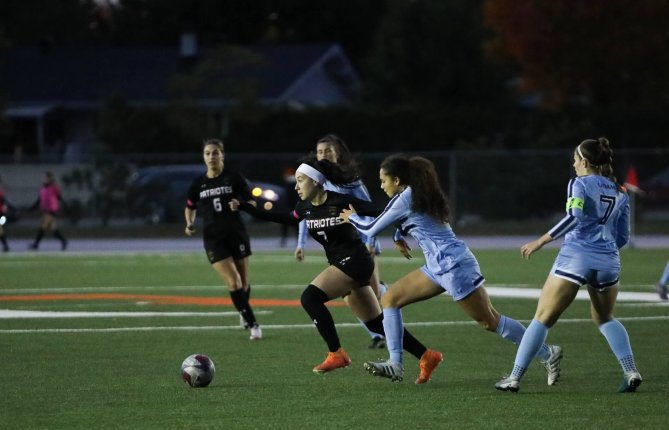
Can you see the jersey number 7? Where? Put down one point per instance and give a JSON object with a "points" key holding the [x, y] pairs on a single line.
{"points": [[610, 202]]}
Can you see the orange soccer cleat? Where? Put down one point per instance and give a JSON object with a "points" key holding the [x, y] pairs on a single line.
{"points": [[428, 362], [334, 360]]}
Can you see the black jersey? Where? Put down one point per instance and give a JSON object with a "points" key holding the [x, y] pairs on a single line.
{"points": [[210, 196], [339, 239]]}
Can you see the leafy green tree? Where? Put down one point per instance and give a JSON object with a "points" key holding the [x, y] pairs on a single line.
{"points": [[605, 52]]}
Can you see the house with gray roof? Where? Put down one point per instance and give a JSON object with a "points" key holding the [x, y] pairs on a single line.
{"points": [[53, 95]]}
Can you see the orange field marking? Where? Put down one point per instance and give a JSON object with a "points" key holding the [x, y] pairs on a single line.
{"points": [[160, 300]]}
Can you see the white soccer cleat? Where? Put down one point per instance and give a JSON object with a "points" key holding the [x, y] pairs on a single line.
{"points": [[508, 383], [256, 333], [552, 365], [631, 380], [386, 369]]}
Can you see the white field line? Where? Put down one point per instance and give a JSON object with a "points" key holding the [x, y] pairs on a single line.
{"points": [[129, 259], [286, 326], [650, 299], [533, 293], [494, 290], [139, 289], [8, 314]]}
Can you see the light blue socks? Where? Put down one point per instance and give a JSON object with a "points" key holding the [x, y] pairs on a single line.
{"points": [[619, 341], [533, 339], [394, 328]]}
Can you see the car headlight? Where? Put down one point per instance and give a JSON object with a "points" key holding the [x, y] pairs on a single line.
{"points": [[270, 195]]}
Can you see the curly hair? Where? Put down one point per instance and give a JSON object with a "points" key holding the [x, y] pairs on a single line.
{"points": [[420, 174]]}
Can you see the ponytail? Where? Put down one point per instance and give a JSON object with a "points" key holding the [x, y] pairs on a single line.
{"points": [[427, 195], [598, 153]]}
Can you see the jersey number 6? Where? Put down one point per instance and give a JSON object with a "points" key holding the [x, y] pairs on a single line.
{"points": [[218, 207]]}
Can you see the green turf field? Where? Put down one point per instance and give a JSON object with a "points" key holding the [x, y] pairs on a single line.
{"points": [[96, 368]]}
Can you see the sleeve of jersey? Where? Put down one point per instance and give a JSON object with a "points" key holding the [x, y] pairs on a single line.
{"points": [[574, 209], [291, 218], [243, 188], [191, 197], [364, 207], [302, 234], [360, 192], [391, 214], [623, 225]]}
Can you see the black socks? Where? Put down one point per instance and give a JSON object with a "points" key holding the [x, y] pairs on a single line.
{"points": [[313, 301], [241, 302]]}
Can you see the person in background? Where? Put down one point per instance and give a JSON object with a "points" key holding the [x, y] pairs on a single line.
{"points": [[3, 218], [332, 148], [226, 241], [596, 226], [419, 208], [350, 263], [662, 284], [49, 201]]}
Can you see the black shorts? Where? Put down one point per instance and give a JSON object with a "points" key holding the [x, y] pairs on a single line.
{"points": [[360, 267], [236, 245]]}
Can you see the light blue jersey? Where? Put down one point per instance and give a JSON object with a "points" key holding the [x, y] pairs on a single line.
{"points": [[443, 251], [596, 226], [356, 189]]}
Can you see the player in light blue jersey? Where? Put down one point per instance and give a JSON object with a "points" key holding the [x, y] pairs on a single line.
{"points": [[333, 148], [662, 284], [595, 227], [418, 207]]}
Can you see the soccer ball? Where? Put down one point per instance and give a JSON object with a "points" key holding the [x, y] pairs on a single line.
{"points": [[197, 370]]}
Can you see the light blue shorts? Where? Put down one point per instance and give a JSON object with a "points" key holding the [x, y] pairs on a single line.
{"points": [[460, 281], [600, 272]]}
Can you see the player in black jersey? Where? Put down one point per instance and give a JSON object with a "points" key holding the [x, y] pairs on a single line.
{"points": [[226, 241], [351, 264], [333, 148]]}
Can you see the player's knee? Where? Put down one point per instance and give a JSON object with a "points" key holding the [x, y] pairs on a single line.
{"points": [[234, 283], [389, 300], [312, 295]]}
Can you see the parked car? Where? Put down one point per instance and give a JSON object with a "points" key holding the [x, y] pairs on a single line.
{"points": [[158, 193]]}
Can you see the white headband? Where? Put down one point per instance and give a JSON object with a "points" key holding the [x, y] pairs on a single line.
{"points": [[309, 171], [580, 154]]}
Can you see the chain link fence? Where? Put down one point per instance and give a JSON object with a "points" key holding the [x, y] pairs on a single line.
{"points": [[482, 185]]}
